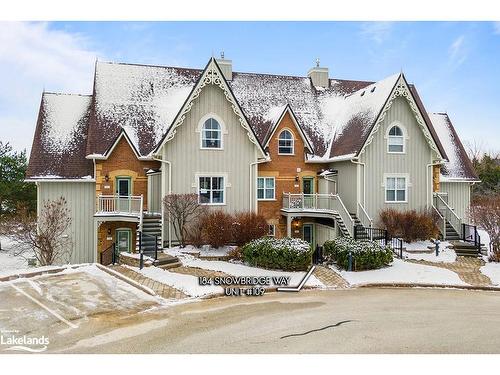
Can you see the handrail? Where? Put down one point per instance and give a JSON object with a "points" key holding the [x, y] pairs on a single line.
{"points": [[454, 220], [366, 217], [124, 204], [345, 215], [442, 222]]}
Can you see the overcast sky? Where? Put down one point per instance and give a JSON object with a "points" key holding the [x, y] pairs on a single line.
{"points": [[455, 65]]}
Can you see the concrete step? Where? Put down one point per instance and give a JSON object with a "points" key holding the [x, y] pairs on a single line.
{"points": [[170, 265]]}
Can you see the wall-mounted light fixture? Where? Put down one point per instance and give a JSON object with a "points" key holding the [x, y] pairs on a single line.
{"points": [[296, 178], [106, 178], [109, 231]]}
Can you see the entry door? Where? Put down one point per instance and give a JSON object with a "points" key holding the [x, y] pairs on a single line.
{"points": [[123, 240], [308, 190], [123, 192], [307, 232]]}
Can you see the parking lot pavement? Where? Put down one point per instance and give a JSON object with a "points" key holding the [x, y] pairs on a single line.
{"points": [[67, 303]]}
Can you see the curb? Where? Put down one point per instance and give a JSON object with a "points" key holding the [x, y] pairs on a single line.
{"points": [[126, 279], [30, 274], [424, 285]]}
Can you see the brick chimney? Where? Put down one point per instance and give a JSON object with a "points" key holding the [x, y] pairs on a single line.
{"points": [[226, 66], [319, 76]]}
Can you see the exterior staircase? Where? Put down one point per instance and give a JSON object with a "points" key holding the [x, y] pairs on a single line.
{"points": [[340, 223], [361, 230], [465, 249], [451, 233], [151, 232]]}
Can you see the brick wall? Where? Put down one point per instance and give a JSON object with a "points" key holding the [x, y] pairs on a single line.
{"points": [[123, 163], [284, 168]]}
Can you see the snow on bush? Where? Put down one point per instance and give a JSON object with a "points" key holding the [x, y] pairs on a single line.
{"points": [[288, 254], [366, 255]]}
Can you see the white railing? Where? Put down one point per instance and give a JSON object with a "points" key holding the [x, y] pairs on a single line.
{"points": [[448, 213], [119, 204], [441, 221], [365, 219], [321, 203]]}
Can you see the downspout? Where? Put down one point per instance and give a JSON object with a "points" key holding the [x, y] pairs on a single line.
{"points": [[169, 192], [253, 188]]}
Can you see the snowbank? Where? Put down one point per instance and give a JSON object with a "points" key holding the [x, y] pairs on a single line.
{"points": [[403, 272], [492, 270], [446, 255]]}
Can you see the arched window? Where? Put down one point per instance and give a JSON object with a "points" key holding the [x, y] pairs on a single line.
{"points": [[396, 140], [285, 143], [211, 134]]}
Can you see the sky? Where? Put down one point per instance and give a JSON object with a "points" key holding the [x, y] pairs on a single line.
{"points": [[453, 64]]}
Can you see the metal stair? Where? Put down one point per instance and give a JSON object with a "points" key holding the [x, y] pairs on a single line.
{"points": [[340, 223], [451, 233], [357, 223], [151, 232]]}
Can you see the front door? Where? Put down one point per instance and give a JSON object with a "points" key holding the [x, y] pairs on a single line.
{"points": [[123, 240], [308, 191], [307, 233], [123, 190]]}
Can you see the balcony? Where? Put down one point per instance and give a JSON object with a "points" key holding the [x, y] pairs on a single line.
{"points": [[317, 205], [119, 205]]}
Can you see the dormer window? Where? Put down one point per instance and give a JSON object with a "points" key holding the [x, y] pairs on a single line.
{"points": [[211, 134], [396, 140], [285, 143]]}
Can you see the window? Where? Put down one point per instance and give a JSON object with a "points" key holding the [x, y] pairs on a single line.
{"points": [[211, 134], [272, 230], [265, 188], [211, 190], [396, 141], [285, 143], [395, 189]]}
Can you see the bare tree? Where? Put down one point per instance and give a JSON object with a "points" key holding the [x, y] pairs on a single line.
{"points": [[485, 213], [183, 210], [475, 150], [46, 236]]}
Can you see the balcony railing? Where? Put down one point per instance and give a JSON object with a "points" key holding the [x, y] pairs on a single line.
{"points": [[119, 204], [448, 214], [320, 203]]}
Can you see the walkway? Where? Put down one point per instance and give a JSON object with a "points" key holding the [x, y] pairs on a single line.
{"points": [[162, 290], [467, 268], [329, 277]]}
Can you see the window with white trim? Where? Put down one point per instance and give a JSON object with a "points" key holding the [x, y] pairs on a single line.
{"points": [[211, 134], [285, 143], [211, 190], [265, 188], [271, 231], [396, 189], [396, 140]]}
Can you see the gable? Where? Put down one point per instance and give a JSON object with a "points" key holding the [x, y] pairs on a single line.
{"points": [[211, 76]]}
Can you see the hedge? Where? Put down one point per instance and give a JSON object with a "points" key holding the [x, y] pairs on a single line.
{"points": [[287, 254], [366, 255]]}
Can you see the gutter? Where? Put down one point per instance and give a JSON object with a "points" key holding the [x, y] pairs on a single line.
{"points": [[429, 203], [254, 188], [354, 161]]}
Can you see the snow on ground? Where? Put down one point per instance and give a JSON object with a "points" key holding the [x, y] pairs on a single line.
{"points": [[9, 262], [403, 272], [446, 255], [186, 283], [485, 238], [492, 270], [204, 251], [238, 269]]}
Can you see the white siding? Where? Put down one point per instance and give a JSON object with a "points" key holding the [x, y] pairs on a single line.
{"points": [[324, 233], [413, 162], [458, 197], [188, 160], [81, 202], [347, 183]]}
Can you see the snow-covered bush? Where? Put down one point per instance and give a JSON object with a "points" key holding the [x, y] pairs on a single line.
{"points": [[366, 255], [287, 254]]}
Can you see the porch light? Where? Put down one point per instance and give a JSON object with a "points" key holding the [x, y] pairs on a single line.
{"points": [[296, 178], [106, 178]]}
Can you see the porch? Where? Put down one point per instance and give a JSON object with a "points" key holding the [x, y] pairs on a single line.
{"points": [[326, 206]]}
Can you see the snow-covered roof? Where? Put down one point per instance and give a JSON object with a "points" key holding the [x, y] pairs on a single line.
{"points": [[458, 166], [60, 138], [142, 101]]}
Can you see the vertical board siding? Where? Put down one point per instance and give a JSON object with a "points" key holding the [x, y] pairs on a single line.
{"points": [[154, 193], [80, 197], [347, 183], [187, 159], [413, 162], [458, 197], [324, 233]]}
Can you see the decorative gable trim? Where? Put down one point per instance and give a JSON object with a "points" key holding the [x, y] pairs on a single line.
{"points": [[401, 89], [297, 126], [109, 151], [212, 75]]}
